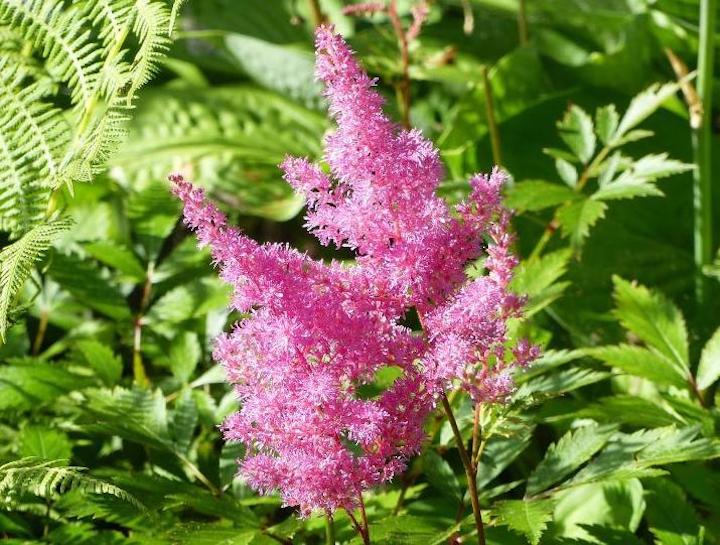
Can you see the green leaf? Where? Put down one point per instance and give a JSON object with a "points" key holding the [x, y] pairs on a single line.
{"points": [[103, 361], [527, 517], [533, 195], [32, 384], [185, 353], [569, 453], [45, 443], [606, 122], [183, 421], [117, 256], [578, 217], [643, 105], [670, 515], [284, 69], [440, 475], [709, 369], [577, 131], [653, 318], [86, 283], [538, 279], [17, 260], [640, 362], [567, 172], [638, 180]]}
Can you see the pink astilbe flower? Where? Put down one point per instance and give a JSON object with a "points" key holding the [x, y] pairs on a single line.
{"points": [[317, 332]]}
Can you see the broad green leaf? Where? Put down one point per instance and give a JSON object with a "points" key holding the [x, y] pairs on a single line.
{"points": [[641, 362], [440, 475], [500, 452], [32, 384], [185, 353], [45, 443], [577, 131], [117, 256], [183, 420], [671, 518], [88, 285], [630, 410], [285, 69], [17, 260], [606, 122], [709, 369], [608, 512], [527, 517], [570, 452], [102, 360], [577, 218], [654, 319], [532, 195]]}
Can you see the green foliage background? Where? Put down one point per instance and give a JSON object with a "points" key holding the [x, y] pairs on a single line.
{"points": [[109, 399]]}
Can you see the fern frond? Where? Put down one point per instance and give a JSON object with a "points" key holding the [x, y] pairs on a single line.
{"points": [[174, 12], [63, 37], [17, 259], [92, 148], [113, 17], [49, 478], [152, 20], [36, 129]]}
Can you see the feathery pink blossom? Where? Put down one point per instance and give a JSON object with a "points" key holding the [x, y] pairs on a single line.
{"points": [[317, 332]]}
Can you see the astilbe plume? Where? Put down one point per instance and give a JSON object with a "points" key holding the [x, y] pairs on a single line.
{"points": [[316, 332]]}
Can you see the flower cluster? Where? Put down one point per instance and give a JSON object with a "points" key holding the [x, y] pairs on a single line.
{"points": [[317, 332]]}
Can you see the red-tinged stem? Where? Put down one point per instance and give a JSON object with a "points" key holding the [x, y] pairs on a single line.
{"points": [[469, 471]]}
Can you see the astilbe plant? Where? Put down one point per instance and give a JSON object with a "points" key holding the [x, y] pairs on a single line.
{"points": [[316, 332]]}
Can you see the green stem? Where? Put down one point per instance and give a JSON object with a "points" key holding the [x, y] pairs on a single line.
{"points": [[702, 151], [469, 471], [316, 12], [522, 23], [329, 530]]}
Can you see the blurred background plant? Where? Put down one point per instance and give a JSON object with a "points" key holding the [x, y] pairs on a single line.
{"points": [[108, 396]]}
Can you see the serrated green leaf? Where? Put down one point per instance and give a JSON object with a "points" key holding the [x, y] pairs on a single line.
{"points": [[567, 172], [183, 421], [578, 217], [103, 361], [653, 318], [577, 131], [709, 369], [118, 257], [640, 362], [527, 517], [643, 105], [87, 284], [440, 475], [538, 279], [670, 515], [532, 195], [569, 453], [606, 122], [45, 443], [185, 353]]}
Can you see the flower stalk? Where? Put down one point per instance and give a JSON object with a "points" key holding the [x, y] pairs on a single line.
{"points": [[702, 152]]}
